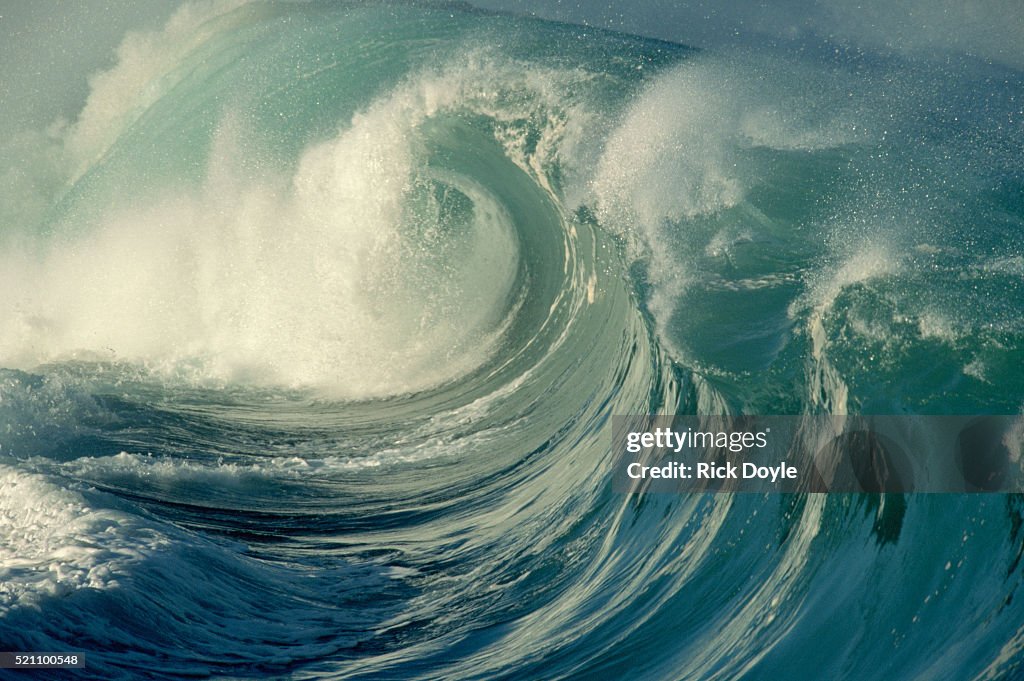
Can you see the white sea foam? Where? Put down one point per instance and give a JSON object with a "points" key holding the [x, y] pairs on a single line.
{"points": [[667, 159], [933, 324], [827, 388], [53, 541], [674, 162], [316, 278]]}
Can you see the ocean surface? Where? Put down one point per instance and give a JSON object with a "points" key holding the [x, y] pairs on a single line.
{"points": [[314, 319]]}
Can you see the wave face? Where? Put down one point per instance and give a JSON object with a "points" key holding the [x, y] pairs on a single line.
{"points": [[315, 317]]}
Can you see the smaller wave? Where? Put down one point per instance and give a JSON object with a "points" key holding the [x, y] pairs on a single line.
{"points": [[63, 553], [53, 541]]}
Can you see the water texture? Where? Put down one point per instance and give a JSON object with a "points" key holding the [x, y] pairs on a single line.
{"points": [[314, 318]]}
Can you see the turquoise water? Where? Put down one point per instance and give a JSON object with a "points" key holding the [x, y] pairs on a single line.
{"points": [[315, 318]]}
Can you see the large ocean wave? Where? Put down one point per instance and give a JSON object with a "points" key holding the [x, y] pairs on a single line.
{"points": [[316, 316]]}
